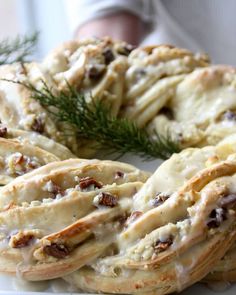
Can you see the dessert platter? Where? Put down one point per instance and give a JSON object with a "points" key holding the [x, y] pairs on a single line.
{"points": [[71, 222]]}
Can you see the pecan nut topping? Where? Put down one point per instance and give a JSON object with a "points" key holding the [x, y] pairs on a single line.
{"points": [[217, 216], [3, 131], [56, 250], [38, 125], [161, 246], [55, 189], [135, 215], [119, 174], [87, 181], [105, 199], [159, 199], [108, 55], [18, 159], [22, 241], [95, 73], [126, 50]]}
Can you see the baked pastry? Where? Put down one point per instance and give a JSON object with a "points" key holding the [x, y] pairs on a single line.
{"points": [[119, 239], [20, 111], [202, 109], [94, 66], [176, 232], [23, 151], [100, 224], [17, 159], [179, 169], [152, 76], [61, 214], [169, 90], [36, 139], [225, 268]]}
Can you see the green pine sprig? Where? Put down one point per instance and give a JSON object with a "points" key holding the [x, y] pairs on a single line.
{"points": [[94, 121], [18, 49]]}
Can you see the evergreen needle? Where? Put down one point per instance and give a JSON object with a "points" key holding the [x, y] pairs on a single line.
{"points": [[94, 121], [18, 49]]}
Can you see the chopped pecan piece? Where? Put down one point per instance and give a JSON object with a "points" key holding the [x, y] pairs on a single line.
{"points": [[21, 240], [85, 182], [161, 246], [134, 215], [122, 219], [126, 50], [9, 206], [105, 199], [18, 158], [54, 188], [18, 164], [3, 131], [31, 164], [119, 174], [217, 216], [159, 199], [57, 190], [96, 73], [108, 55], [56, 250], [38, 125]]}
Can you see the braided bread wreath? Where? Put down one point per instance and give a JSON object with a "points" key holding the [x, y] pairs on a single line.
{"points": [[69, 209], [164, 88], [106, 226], [124, 233], [94, 68], [182, 221]]}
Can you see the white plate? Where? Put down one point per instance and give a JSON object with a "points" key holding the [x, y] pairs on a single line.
{"points": [[9, 286]]}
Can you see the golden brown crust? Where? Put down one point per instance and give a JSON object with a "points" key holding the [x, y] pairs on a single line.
{"points": [[202, 107], [43, 142], [152, 77], [17, 159], [93, 66], [161, 281], [96, 68], [194, 244], [102, 224], [225, 269], [167, 88], [58, 201]]}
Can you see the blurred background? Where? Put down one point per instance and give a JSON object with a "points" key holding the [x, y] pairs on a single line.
{"points": [[201, 26], [28, 16]]}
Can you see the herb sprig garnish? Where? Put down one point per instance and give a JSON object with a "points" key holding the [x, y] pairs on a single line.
{"points": [[18, 49], [94, 121]]}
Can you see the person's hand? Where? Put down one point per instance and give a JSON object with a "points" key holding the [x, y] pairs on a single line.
{"points": [[121, 26]]}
